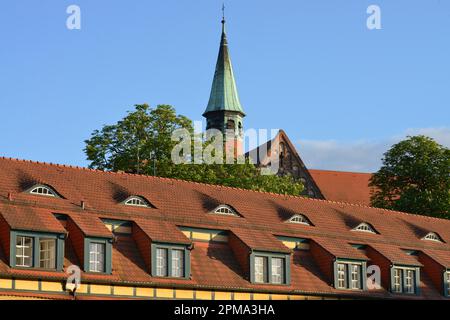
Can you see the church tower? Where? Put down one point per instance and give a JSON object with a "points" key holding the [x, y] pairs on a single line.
{"points": [[224, 111]]}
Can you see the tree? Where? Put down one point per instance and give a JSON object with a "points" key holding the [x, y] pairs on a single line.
{"points": [[415, 178], [141, 143]]}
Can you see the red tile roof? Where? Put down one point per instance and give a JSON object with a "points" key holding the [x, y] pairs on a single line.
{"points": [[162, 231], [340, 249], [30, 219], [351, 187], [260, 240], [188, 204], [90, 224]]}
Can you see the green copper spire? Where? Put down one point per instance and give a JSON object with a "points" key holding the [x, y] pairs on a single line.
{"points": [[224, 95]]}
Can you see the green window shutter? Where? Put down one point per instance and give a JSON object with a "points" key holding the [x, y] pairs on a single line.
{"points": [[417, 281]]}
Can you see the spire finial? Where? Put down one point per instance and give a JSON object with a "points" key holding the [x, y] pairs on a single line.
{"points": [[223, 12], [223, 17]]}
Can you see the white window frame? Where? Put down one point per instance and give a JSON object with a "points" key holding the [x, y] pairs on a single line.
{"points": [[43, 190], [409, 285], [277, 270], [260, 270], [349, 275], [341, 275], [178, 263], [162, 267], [397, 285], [21, 254], [447, 282], [433, 236], [365, 227], [225, 210], [300, 219], [404, 280], [136, 201], [97, 257], [47, 255]]}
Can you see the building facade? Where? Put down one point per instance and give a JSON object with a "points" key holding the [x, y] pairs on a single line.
{"points": [[141, 237]]}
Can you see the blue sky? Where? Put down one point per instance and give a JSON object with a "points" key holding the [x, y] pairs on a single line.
{"points": [[343, 93]]}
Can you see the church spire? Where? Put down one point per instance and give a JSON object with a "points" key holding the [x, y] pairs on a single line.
{"points": [[224, 95]]}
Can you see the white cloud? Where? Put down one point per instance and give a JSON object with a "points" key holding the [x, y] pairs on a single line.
{"points": [[361, 155]]}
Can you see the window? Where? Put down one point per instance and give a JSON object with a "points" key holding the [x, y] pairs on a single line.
{"points": [[137, 202], [365, 227], [178, 263], [348, 276], [170, 261], [342, 276], [409, 281], [300, 219], [161, 262], [355, 276], [47, 253], [24, 252], [277, 270], [96, 257], [225, 210], [270, 269], [397, 285], [432, 236], [447, 282], [42, 191], [404, 280], [261, 270]]}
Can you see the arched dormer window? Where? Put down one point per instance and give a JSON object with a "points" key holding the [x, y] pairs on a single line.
{"points": [[43, 190], [300, 219], [365, 227], [433, 236], [225, 210], [137, 201]]}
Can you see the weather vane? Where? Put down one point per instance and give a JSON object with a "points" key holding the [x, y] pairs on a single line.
{"points": [[223, 12]]}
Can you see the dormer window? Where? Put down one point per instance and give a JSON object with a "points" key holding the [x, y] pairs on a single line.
{"points": [[365, 227], [43, 190], [432, 236], [300, 219], [137, 201], [225, 210]]}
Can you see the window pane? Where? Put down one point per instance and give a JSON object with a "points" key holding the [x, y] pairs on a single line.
{"points": [[447, 279], [342, 276], [409, 281], [277, 270], [96, 257], [161, 262], [177, 263], [397, 286], [47, 253], [24, 252], [261, 269], [355, 276]]}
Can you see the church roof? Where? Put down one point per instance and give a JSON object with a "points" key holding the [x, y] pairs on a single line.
{"points": [[351, 187], [224, 95]]}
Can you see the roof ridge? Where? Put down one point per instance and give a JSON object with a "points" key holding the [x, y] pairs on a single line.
{"points": [[338, 171], [209, 184]]}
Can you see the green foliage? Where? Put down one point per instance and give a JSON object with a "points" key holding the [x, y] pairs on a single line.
{"points": [[415, 177], [141, 143]]}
